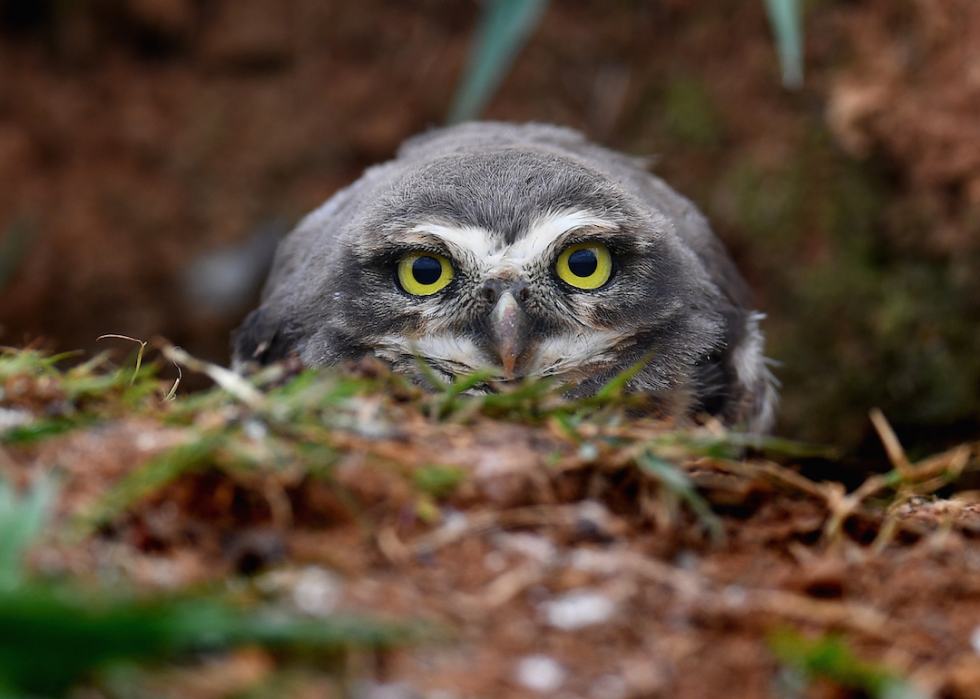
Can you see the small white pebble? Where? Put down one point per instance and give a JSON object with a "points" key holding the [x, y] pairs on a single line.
{"points": [[390, 690], [146, 441], [162, 572], [441, 694], [734, 595], [495, 561], [316, 592], [975, 640], [14, 417], [255, 430], [539, 673], [609, 686], [590, 561], [590, 513], [579, 609], [532, 546], [687, 560], [454, 520]]}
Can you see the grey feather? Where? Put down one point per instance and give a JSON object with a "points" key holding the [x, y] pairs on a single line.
{"points": [[495, 200]]}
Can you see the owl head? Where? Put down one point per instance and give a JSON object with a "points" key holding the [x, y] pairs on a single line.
{"points": [[528, 249]]}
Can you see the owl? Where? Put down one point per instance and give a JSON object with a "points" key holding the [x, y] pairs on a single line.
{"points": [[528, 249]]}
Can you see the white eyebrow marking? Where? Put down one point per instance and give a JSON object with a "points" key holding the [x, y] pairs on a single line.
{"points": [[467, 240], [550, 228], [486, 252]]}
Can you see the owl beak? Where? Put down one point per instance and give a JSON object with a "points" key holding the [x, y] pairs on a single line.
{"points": [[508, 326]]}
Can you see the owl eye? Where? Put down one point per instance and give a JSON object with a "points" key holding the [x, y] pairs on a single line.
{"points": [[585, 265], [424, 273]]}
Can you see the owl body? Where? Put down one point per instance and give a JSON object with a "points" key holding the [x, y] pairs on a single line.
{"points": [[529, 249]]}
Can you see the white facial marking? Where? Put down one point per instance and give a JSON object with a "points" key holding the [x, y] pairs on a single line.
{"points": [[466, 240], [485, 252], [451, 353], [564, 354], [545, 231], [484, 255]]}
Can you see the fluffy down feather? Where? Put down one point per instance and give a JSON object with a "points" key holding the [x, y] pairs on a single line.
{"points": [[501, 202]]}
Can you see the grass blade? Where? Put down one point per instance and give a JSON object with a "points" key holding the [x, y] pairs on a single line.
{"points": [[786, 19], [831, 658], [22, 521], [676, 480], [504, 28], [49, 639]]}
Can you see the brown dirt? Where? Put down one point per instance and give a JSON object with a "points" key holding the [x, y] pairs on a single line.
{"points": [[912, 95], [543, 554]]}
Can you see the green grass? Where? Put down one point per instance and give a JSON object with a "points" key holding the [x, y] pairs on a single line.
{"points": [[52, 638], [74, 397], [830, 659]]}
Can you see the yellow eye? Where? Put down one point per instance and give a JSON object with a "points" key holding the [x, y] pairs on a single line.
{"points": [[585, 265], [424, 273]]}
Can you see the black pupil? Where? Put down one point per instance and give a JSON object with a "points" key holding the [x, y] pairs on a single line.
{"points": [[427, 270], [582, 263]]}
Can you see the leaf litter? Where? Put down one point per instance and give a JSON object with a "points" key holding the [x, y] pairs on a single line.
{"points": [[555, 547]]}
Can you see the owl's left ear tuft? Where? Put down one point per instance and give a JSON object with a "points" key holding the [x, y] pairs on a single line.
{"points": [[261, 340]]}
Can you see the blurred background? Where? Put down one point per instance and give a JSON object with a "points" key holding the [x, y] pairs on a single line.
{"points": [[153, 151]]}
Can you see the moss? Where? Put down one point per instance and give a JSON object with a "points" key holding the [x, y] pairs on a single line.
{"points": [[689, 117]]}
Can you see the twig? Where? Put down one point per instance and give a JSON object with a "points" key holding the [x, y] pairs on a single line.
{"points": [[792, 478], [227, 379], [826, 613], [139, 354], [172, 394], [893, 448], [505, 587]]}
